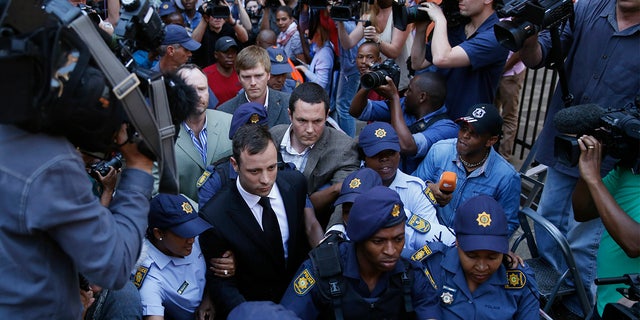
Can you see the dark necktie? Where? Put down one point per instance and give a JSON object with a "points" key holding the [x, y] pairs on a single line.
{"points": [[271, 227]]}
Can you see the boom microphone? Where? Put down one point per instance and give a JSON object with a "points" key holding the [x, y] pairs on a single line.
{"points": [[579, 119], [447, 183]]}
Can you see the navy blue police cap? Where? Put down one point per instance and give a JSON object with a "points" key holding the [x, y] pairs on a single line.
{"points": [[250, 112], [177, 214], [377, 137], [356, 183], [481, 224], [376, 209]]}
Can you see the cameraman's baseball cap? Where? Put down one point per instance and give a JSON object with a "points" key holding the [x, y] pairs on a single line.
{"points": [[279, 61], [225, 43], [483, 118], [178, 34], [166, 8], [376, 209], [377, 137], [481, 224], [176, 213], [357, 183], [250, 112]]}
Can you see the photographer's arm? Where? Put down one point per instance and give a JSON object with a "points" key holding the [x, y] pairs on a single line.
{"points": [[444, 56], [391, 49], [199, 31], [407, 143], [349, 40], [419, 47], [243, 15], [265, 22], [622, 228], [531, 52], [113, 11], [240, 31], [359, 102]]}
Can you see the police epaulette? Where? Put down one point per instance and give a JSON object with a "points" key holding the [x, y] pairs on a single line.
{"points": [[203, 178], [421, 253], [138, 278], [418, 223], [516, 279]]}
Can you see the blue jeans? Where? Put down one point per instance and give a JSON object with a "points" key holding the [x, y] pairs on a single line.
{"points": [[583, 237], [122, 304], [347, 88]]}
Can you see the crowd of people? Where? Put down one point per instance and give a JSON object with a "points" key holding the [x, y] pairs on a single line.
{"points": [[286, 211]]}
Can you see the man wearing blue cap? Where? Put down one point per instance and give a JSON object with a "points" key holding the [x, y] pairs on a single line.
{"points": [[280, 71], [170, 274], [473, 279], [478, 167], [373, 280]]}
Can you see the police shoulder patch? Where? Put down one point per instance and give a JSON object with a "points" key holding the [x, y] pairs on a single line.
{"points": [[138, 278], [303, 282], [203, 178], [421, 253], [418, 223], [429, 194], [428, 274], [516, 279]]}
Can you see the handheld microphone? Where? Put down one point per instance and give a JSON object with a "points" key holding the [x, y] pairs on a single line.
{"points": [[447, 183], [579, 119]]}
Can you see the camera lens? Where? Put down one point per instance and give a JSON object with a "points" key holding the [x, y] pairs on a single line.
{"points": [[373, 79]]}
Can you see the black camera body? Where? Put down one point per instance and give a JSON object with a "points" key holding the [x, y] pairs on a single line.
{"points": [[619, 135], [272, 4], [379, 71], [402, 15], [347, 10], [215, 9], [138, 21], [529, 17], [617, 311], [103, 166]]}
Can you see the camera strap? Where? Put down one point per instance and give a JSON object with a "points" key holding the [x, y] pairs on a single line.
{"points": [[126, 89]]}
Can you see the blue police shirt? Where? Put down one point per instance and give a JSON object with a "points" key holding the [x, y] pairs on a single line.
{"points": [[439, 130], [304, 298], [507, 294], [496, 178]]}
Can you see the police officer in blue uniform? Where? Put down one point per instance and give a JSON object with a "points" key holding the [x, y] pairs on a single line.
{"points": [[365, 278], [472, 279]]}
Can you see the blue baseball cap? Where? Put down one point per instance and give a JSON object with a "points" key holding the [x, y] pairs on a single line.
{"points": [[250, 112], [378, 208], [356, 183], [178, 34], [166, 7], [266, 310], [377, 137], [279, 61], [481, 224], [225, 43], [484, 118], [177, 214]]}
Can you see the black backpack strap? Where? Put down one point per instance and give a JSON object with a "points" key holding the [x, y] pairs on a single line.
{"points": [[407, 283], [422, 125], [326, 260]]}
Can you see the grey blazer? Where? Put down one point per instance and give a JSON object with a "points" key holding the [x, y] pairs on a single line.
{"points": [[188, 159], [276, 109], [331, 160]]}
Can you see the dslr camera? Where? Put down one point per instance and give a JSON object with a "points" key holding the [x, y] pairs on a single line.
{"points": [[102, 167], [529, 17], [379, 71], [402, 15], [346, 10], [618, 131], [617, 311], [215, 9]]}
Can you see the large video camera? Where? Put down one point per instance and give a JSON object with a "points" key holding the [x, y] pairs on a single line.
{"points": [[62, 75], [402, 15], [215, 8], [617, 129], [379, 71], [346, 10], [529, 17], [617, 311]]}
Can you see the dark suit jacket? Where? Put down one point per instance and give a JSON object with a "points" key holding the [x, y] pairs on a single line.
{"points": [[277, 109], [259, 276]]}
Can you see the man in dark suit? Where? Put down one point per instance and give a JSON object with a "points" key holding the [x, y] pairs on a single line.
{"points": [[323, 154], [254, 70], [260, 218]]}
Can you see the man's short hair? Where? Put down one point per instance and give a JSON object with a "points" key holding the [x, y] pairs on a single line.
{"points": [[188, 67], [251, 56], [253, 138], [370, 43], [309, 92], [433, 83]]}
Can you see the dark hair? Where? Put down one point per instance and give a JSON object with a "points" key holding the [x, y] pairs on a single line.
{"points": [[372, 43], [252, 137], [309, 92], [507, 260], [286, 9], [435, 85]]}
